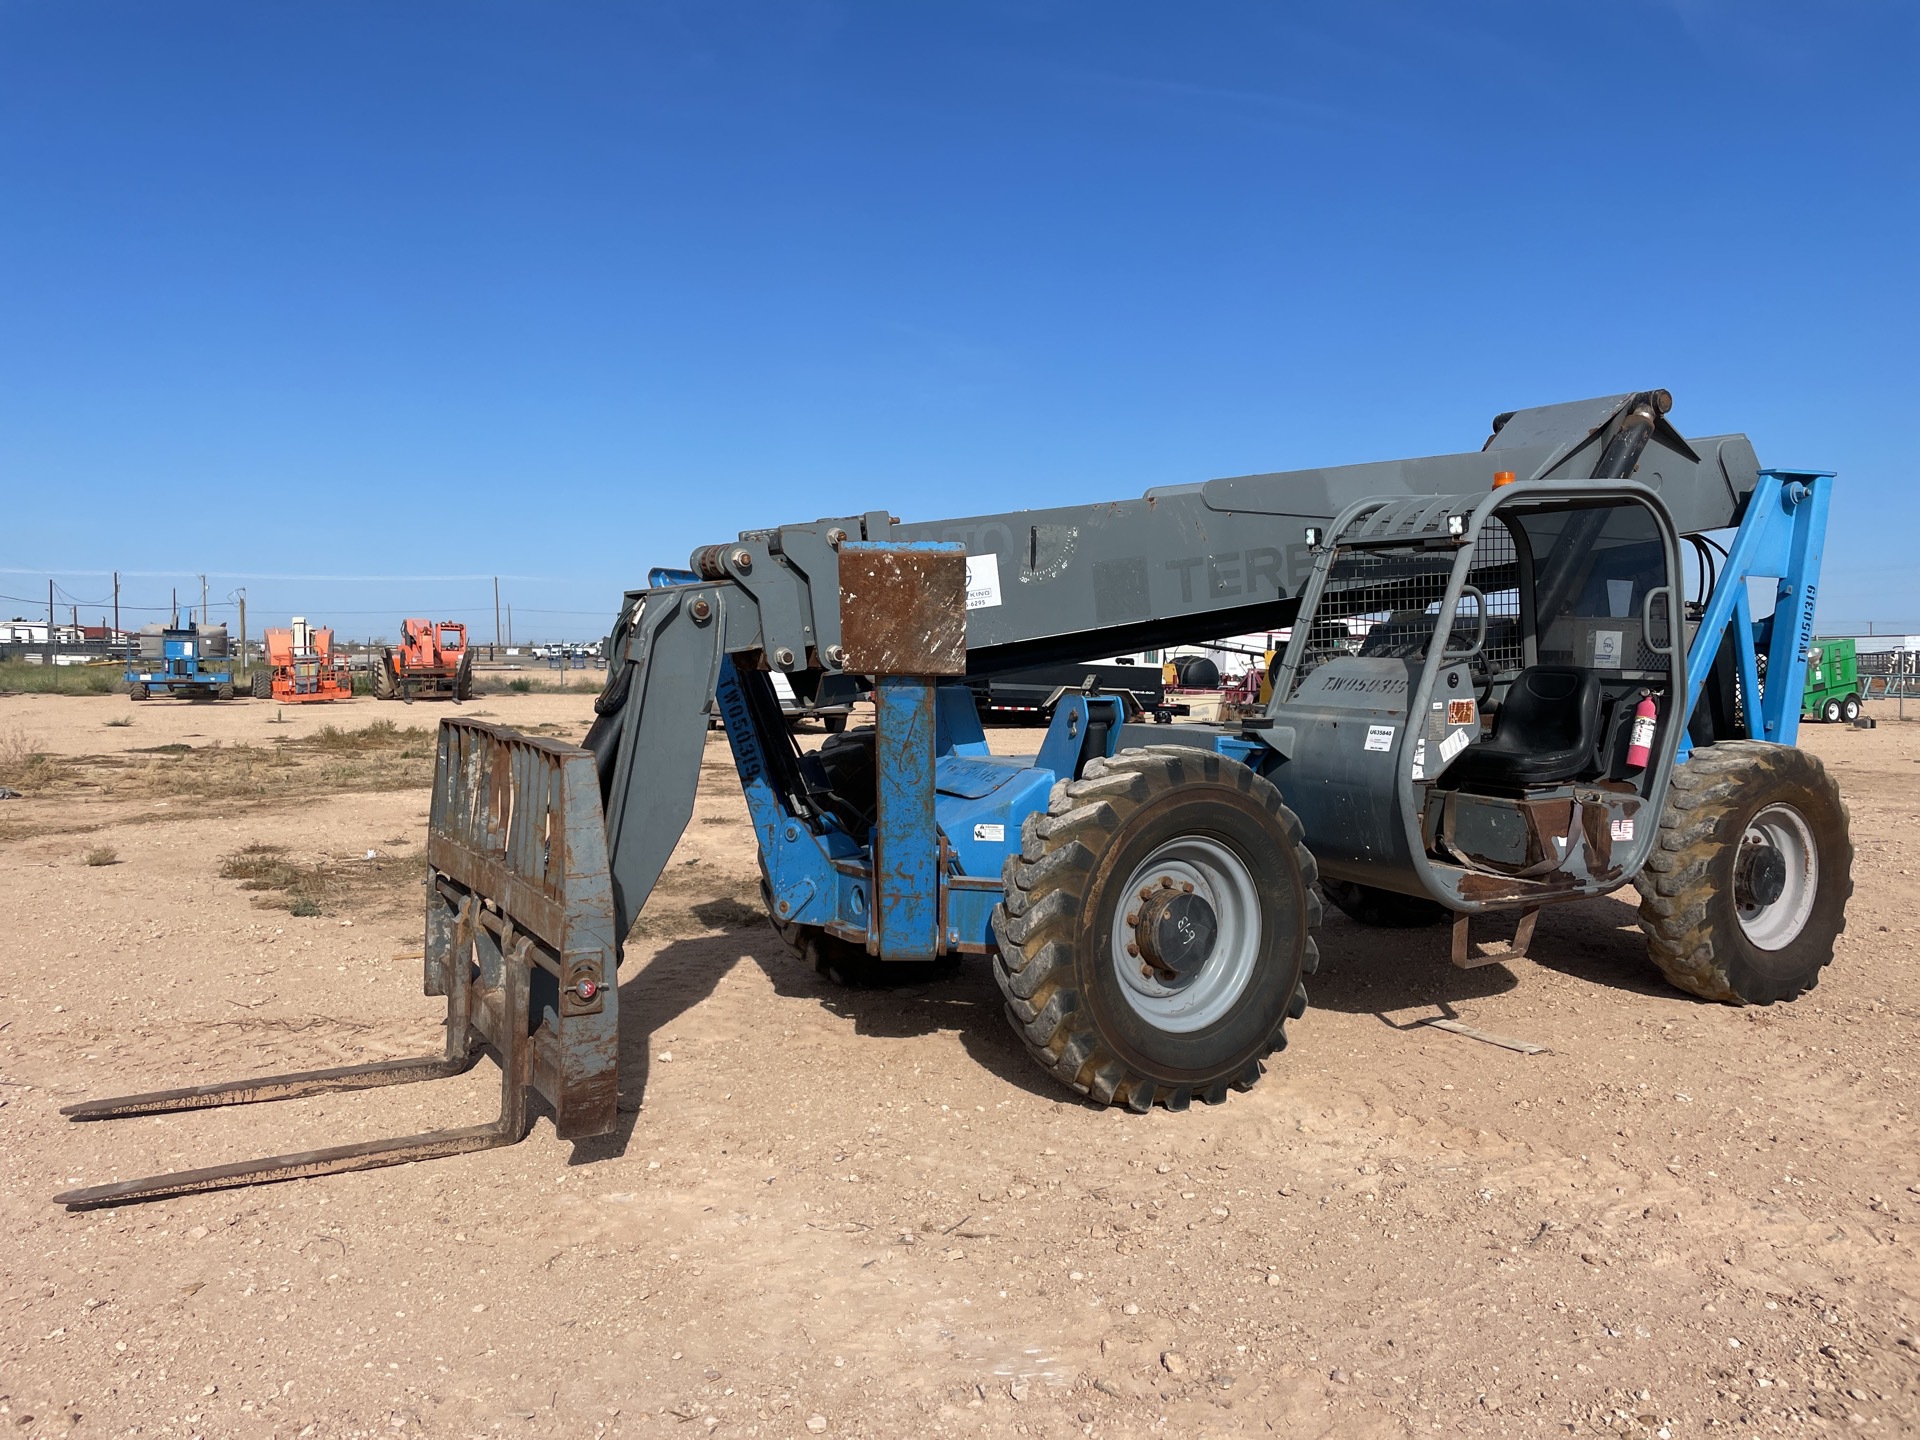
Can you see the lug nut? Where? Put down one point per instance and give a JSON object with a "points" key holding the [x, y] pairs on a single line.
{"points": [[1166, 882], [1187, 886], [1146, 892], [1133, 949], [1133, 917]]}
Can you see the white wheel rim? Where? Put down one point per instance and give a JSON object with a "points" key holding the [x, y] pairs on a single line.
{"points": [[1220, 877], [1775, 926]]}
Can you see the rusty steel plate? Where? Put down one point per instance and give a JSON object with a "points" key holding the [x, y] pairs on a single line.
{"points": [[903, 609]]}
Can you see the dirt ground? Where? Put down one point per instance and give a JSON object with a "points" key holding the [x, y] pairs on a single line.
{"points": [[869, 1213]]}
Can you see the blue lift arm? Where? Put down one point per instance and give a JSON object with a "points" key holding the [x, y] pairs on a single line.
{"points": [[1781, 536]]}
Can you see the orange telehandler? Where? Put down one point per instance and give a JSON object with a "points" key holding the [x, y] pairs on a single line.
{"points": [[431, 662]]}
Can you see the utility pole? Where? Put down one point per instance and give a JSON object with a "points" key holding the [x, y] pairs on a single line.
{"points": [[509, 625], [116, 607], [49, 624], [496, 614], [203, 600], [176, 607], [242, 593]]}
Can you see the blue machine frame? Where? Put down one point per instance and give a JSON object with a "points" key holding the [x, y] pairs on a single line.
{"points": [[1781, 537], [180, 671], [924, 879]]}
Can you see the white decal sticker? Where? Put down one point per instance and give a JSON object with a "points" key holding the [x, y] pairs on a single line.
{"points": [[1606, 649], [993, 834], [1455, 742], [983, 581], [1379, 737], [1420, 758], [1623, 828]]}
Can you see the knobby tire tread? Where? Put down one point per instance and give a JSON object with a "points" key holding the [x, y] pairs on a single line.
{"points": [[1044, 892], [1708, 799]]}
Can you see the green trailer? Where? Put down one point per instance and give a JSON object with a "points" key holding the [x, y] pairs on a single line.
{"points": [[1833, 682]]}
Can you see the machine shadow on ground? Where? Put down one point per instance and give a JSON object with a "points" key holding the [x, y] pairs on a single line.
{"points": [[966, 1003], [677, 978], [1394, 975], [686, 972]]}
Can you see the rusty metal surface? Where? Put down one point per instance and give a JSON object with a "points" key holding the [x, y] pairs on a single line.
{"points": [[267, 1088], [903, 609]]}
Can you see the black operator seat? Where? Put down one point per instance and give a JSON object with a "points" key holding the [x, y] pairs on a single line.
{"points": [[1545, 732]]}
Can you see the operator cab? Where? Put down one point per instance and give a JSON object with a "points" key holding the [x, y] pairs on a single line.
{"points": [[1457, 708]]}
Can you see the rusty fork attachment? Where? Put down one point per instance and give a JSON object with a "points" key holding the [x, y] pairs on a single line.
{"points": [[520, 940]]}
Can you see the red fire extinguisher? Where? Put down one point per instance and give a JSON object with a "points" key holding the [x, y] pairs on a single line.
{"points": [[1640, 745]]}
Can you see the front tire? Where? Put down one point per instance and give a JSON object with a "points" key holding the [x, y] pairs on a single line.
{"points": [[260, 685], [380, 675], [1831, 712], [136, 691], [463, 678], [1384, 909], [1747, 891], [1156, 925]]}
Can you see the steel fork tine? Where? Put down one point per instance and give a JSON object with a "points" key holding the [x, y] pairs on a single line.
{"points": [[264, 1088], [515, 1054], [366, 1155]]}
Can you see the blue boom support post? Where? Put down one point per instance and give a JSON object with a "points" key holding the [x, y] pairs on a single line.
{"points": [[1781, 536]]}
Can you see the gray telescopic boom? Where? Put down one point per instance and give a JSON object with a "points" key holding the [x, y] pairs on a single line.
{"points": [[1185, 563]]}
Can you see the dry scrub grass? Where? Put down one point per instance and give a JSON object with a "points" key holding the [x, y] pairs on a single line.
{"points": [[672, 911], [379, 756], [21, 766], [376, 757], [326, 885]]}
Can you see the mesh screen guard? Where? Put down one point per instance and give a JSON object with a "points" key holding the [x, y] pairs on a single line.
{"points": [[1385, 601]]}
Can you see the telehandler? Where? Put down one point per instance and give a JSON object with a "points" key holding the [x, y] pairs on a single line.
{"points": [[1499, 694]]}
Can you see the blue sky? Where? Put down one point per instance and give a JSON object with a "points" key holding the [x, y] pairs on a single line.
{"points": [[558, 291]]}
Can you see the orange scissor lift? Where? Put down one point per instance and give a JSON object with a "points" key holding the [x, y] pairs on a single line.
{"points": [[302, 666]]}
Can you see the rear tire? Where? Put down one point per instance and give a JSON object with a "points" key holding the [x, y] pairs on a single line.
{"points": [[1831, 712], [1163, 823], [834, 724], [261, 685], [1850, 709], [136, 692], [463, 677], [1747, 891], [380, 675], [1384, 909], [223, 692]]}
